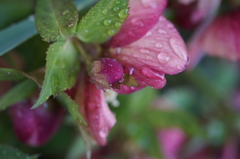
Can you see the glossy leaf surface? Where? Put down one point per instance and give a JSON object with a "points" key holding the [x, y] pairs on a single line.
{"points": [[56, 19], [61, 70], [102, 21]]}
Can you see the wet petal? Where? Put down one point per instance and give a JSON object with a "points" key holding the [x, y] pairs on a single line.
{"points": [[161, 51], [222, 38], [97, 113], [35, 126], [127, 90], [143, 15]]}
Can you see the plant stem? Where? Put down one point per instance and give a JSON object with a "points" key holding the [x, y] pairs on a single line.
{"points": [[82, 52]]}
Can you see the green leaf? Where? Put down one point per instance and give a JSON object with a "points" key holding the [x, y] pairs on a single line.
{"points": [[17, 93], [16, 34], [20, 32], [7, 152], [61, 70], [73, 108], [182, 119], [102, 21], [7, 74], [56, 19]]}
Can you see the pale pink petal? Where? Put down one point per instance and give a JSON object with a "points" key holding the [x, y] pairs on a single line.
{"points": [[97, 114], [171, 141], [195, 49], [127, 90], [143, 15], [222, 38], [204, 8], [161, 51]]}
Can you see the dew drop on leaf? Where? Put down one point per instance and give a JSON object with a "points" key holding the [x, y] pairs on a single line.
{"points": [[111, 32], [104, 11], [116, 9], [107, 22], [118, 24], [123, 13]]}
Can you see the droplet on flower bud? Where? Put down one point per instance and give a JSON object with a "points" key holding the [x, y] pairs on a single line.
{"points": [[35, 126], [105, 72]]}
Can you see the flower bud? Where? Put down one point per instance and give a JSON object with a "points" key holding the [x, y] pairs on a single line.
{"points": [[105, 72], [35, 126]]}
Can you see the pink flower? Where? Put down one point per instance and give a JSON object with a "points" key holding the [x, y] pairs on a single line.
{"points": [[145, 49], [148, 46], [95, 110], [171, 141], [35, 126]]}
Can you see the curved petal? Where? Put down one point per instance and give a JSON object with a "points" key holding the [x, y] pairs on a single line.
{"points": [[143, 15], [97, 114], [222, 38], [35, 126], [161, 51], [127, 90]]}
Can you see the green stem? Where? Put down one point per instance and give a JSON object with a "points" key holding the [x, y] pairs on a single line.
{"points": [[82, 52]]}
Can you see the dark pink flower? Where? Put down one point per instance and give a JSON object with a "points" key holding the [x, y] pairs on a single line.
{"points": [[148, 46], [96, 112], [35, 126], [105, 72]]}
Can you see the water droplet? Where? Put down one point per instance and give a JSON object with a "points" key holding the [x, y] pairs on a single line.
{"points": [[162, 18], [123, 13], [118, 24], [178, 48], [105, 11], [65, 12], [111, 32], [131, 34], [158, 45], [163, 58], [149, 33], [170, 25], [131, 71], [162, 31], [124, 4], [116, 9], [149, 57], [70, 25], [118, 70], [144, 51], [107, 22], [119, 49], [103, 132], [110, 65], [115, 77], [179, 68]]}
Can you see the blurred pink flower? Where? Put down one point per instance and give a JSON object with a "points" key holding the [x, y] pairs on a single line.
{"points": [[171, 141], [35, 126]]}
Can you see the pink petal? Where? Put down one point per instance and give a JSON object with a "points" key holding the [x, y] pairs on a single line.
{"points": [[222, 38], [171, 141], [35, 126], [161, 51], [143, 15], [127, 90], [97, 114]]}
